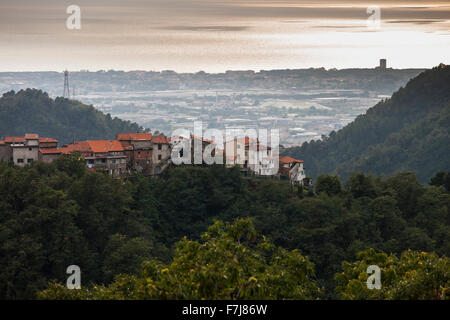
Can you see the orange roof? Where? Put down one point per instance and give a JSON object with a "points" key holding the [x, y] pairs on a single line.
{"points": [[100, 146], [31, 136], [50, 151], [14, 139], [159, 139], [134, 136], [289, 160], [81, 146], [47, 140]]}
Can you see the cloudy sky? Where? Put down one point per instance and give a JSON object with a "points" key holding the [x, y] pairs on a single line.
{"points": [[219, 35]]}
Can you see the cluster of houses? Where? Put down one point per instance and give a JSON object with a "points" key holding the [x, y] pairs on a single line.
{"points": [[151, 155]]}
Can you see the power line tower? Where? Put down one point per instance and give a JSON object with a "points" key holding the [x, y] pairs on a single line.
{"points": [[66, 85]]}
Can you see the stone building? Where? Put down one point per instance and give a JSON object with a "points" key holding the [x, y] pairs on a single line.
{"points": [[160, 155], [138, 148], [24, 150]]}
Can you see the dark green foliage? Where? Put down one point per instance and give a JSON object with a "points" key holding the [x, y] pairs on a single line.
{"points": [[441, 179], [51, 218], [231, 262], [328, 184], [33, 111], [409, 132]]}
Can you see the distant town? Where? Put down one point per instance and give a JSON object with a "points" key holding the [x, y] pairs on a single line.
{"points": [[303, 104]]}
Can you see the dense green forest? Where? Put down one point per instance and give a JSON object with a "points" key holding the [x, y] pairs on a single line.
{"points": [[409, 132], [244, 238], [33, 111]]}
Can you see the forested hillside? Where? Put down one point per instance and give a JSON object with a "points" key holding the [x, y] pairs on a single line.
{"points": [[33, 111], [409, 132], [53, 216]]}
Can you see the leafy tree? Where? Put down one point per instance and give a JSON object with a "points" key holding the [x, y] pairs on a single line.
{"points": [[73, 164], [413, 276], [51, 217], [328, 184], [441, 179], [231, 262], [360, 185], [122, 255]]}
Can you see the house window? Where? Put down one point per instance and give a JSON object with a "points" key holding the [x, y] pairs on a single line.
{"points": [[30, 161], [113, 161], [29, 149], [103, 160], [19, 160], [139, 153], [159, 146], [159, 157]]}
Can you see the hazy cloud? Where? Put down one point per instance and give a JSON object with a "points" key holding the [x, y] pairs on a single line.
{"points": [[207, 28], [218, 34]]}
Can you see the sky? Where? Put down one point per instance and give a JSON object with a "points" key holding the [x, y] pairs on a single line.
{"points": [[217, 35]]}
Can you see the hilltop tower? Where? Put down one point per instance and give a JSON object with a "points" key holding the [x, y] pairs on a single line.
{"points": [[66, 85]]}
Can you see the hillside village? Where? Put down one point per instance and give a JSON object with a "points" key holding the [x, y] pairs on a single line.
{"points": [[151, 155]]}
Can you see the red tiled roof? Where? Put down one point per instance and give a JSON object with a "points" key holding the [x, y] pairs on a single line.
{"points": [[81, 146], [159, 139], [28, 136], [14, 139], [42, 140], [134, 136], [31, 136], [50, 151], [289, 160], [100, 146]]}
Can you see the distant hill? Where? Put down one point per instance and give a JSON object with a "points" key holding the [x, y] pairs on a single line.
{"points": [[410, 132], [33, 111]]}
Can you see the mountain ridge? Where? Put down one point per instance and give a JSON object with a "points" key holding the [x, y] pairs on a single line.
{"points": [[33, 111], [409, 131]]}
